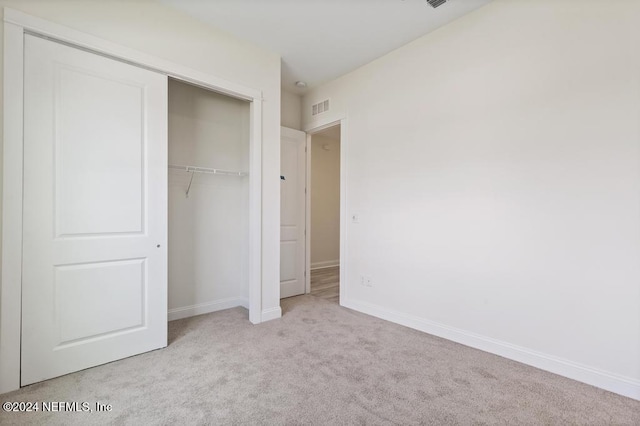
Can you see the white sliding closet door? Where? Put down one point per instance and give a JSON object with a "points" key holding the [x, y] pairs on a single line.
{"points": [[95, 210]]}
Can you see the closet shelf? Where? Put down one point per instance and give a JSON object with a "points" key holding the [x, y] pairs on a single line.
{"points": [[206, 170]]}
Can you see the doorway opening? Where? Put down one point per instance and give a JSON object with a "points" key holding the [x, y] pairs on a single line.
{"points": [[208, 199], [323, 214]]}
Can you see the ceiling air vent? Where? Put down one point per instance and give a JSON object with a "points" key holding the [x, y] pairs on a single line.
{"points": [[320, 107], [436, 3]]}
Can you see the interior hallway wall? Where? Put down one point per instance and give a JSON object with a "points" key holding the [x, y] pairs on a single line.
{"points": [[291, 110], [325, 201]]}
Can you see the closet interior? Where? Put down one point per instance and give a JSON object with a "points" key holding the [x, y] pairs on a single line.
{"points": [[208, 201]]}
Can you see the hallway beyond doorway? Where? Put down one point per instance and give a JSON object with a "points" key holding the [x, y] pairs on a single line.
{"points": [[325, 283]]}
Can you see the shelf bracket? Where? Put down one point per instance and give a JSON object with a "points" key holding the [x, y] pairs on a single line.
{"points": [[190, 182]]}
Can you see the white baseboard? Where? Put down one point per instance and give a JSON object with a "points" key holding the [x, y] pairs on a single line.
{"points": [[205, 308], [271, 314], [325, 264], [621, 385]]}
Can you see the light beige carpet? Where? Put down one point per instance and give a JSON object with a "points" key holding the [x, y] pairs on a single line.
{"points": [[319, 364]]}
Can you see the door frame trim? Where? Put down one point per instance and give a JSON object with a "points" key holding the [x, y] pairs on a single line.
{"points": [[16, 25], [313, 129], [307, 215]]}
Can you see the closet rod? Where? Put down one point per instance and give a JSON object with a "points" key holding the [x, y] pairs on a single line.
{"points": [[206, 170]]}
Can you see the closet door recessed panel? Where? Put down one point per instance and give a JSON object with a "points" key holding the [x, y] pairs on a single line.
{"points": [[99, 179], [93, 301]]}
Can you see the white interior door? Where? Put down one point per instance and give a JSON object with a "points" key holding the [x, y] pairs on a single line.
{"points": [[95, 210], [292, 212]]}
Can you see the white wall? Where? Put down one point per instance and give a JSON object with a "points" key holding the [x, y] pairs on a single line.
{"points": [[290, 110], [3, 315], [157, 30], [1, 137], [325, 201], [495, 166], [208, 231]]}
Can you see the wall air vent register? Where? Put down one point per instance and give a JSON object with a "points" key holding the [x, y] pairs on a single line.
{"points": [[436, 3], [320, 107]]}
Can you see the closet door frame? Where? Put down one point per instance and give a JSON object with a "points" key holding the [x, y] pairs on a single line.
{"points": [[16, 25]]}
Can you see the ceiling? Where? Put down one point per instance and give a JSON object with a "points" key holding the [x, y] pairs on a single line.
{"points": [[320, 40]]}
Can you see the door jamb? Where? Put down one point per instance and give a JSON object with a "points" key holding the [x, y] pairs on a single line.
{"points": [[307, 215], [16, 25]]}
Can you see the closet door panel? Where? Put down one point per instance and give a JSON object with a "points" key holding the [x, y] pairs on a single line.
{"points": [[99, 179], [95, 210]]}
